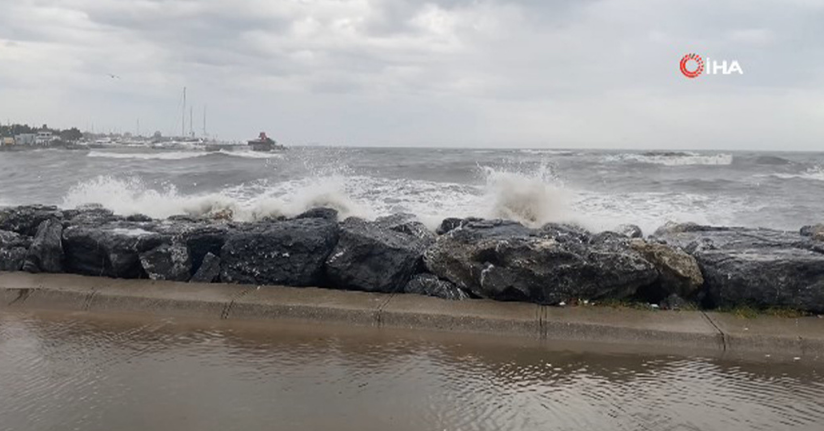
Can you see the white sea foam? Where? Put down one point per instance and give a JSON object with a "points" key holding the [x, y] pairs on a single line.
{"points": [[549, 152], [131, 196], [673, 159], [815, 173], [533, 196]]}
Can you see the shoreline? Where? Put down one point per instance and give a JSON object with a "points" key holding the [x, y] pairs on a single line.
{"points": [[691, 332]]}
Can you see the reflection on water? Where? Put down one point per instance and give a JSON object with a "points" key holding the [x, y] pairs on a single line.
{"points": [[78, 372]]}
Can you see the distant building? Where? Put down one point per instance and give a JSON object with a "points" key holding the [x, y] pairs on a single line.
{"points": [[43, 138], [25, 139], [7, 141]]}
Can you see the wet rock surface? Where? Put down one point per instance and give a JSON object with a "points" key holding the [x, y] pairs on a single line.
{"points": [[289, 252], [13, 250], [46, 251], [758, 267], [430, 285], [503, 260], [112, 249], [209, 270], [25, 220], [374, 257], [507, 261], [167, 262], [679, 272]]}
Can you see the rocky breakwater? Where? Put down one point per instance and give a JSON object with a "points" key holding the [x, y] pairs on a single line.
{"points": [[464, 258]]}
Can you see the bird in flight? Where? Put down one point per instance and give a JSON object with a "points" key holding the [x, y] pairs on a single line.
{"points": [[113, 76]]}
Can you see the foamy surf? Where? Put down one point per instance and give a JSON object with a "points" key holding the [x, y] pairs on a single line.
{"points": [[532, 198], [815, 173], [674, 159]]}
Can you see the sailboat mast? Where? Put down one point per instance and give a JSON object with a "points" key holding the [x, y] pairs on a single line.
{"points": [[191, 128], [183, 116], [204, 121]]}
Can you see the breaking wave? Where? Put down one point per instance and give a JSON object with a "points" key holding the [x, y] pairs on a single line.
{"points": [[815, 173], [533, 197], [673, 158], [131, 196]]}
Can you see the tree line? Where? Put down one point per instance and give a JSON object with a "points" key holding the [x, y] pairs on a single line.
{"points": [[12, 130]]}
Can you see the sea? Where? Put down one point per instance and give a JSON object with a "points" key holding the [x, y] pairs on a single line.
{"points": [[595, 189]]}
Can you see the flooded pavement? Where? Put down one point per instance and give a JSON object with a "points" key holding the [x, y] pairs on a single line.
{"points": [[84, 372]]}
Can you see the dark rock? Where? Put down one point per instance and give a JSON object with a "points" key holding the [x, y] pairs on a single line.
{"points": [[13, 250], [26, 219], [203, 239], [209, 270], [430, 285], [167, 262], [371, 257], [46, 251], [629, 230], [185, 218], [673, 302], [758, 267], [290, 252], [453, 223], [112, 249], [139, 217], [408, 224], [324, 213], [507, 261], [816, 232], [680, 273], [90, 215], [571, 234]]}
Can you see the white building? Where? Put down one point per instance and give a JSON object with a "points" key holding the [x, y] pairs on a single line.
{"points": [[43, 138]]}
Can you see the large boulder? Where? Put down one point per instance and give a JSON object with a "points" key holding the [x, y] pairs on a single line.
{"points": [[13, 250], [759, 267], [204, 239], [288, 252], [630, 230], [208, 271], [815, 232], [407, 224], [26, 219], [507, 261], [111, 250], [324, 213], [451, 223], [91, 215], [167, 262], [431, 285], [679, 272], [46, 251], [373, 257]]}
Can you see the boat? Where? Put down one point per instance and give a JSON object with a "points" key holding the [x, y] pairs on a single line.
{"points": [[265, 143]]}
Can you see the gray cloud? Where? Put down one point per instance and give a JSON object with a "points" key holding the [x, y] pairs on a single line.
{"points": [[467, 73]]}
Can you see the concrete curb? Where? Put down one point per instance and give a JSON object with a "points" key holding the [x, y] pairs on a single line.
{"points": [[696, 331]]}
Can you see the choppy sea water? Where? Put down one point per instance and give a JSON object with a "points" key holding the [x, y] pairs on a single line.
{"points": [[598, 189], [70, 371]]}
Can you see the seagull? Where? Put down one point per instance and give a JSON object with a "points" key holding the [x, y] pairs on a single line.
{"points": [[113, 76]]}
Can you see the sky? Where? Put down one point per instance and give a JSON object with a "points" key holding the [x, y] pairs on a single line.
{"points": [[474, 73]]}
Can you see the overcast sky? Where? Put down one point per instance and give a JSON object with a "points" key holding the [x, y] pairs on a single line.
{"points": [[528, 73]]}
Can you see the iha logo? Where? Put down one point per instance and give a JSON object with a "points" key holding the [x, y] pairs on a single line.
{"points": [[693, 66]]}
